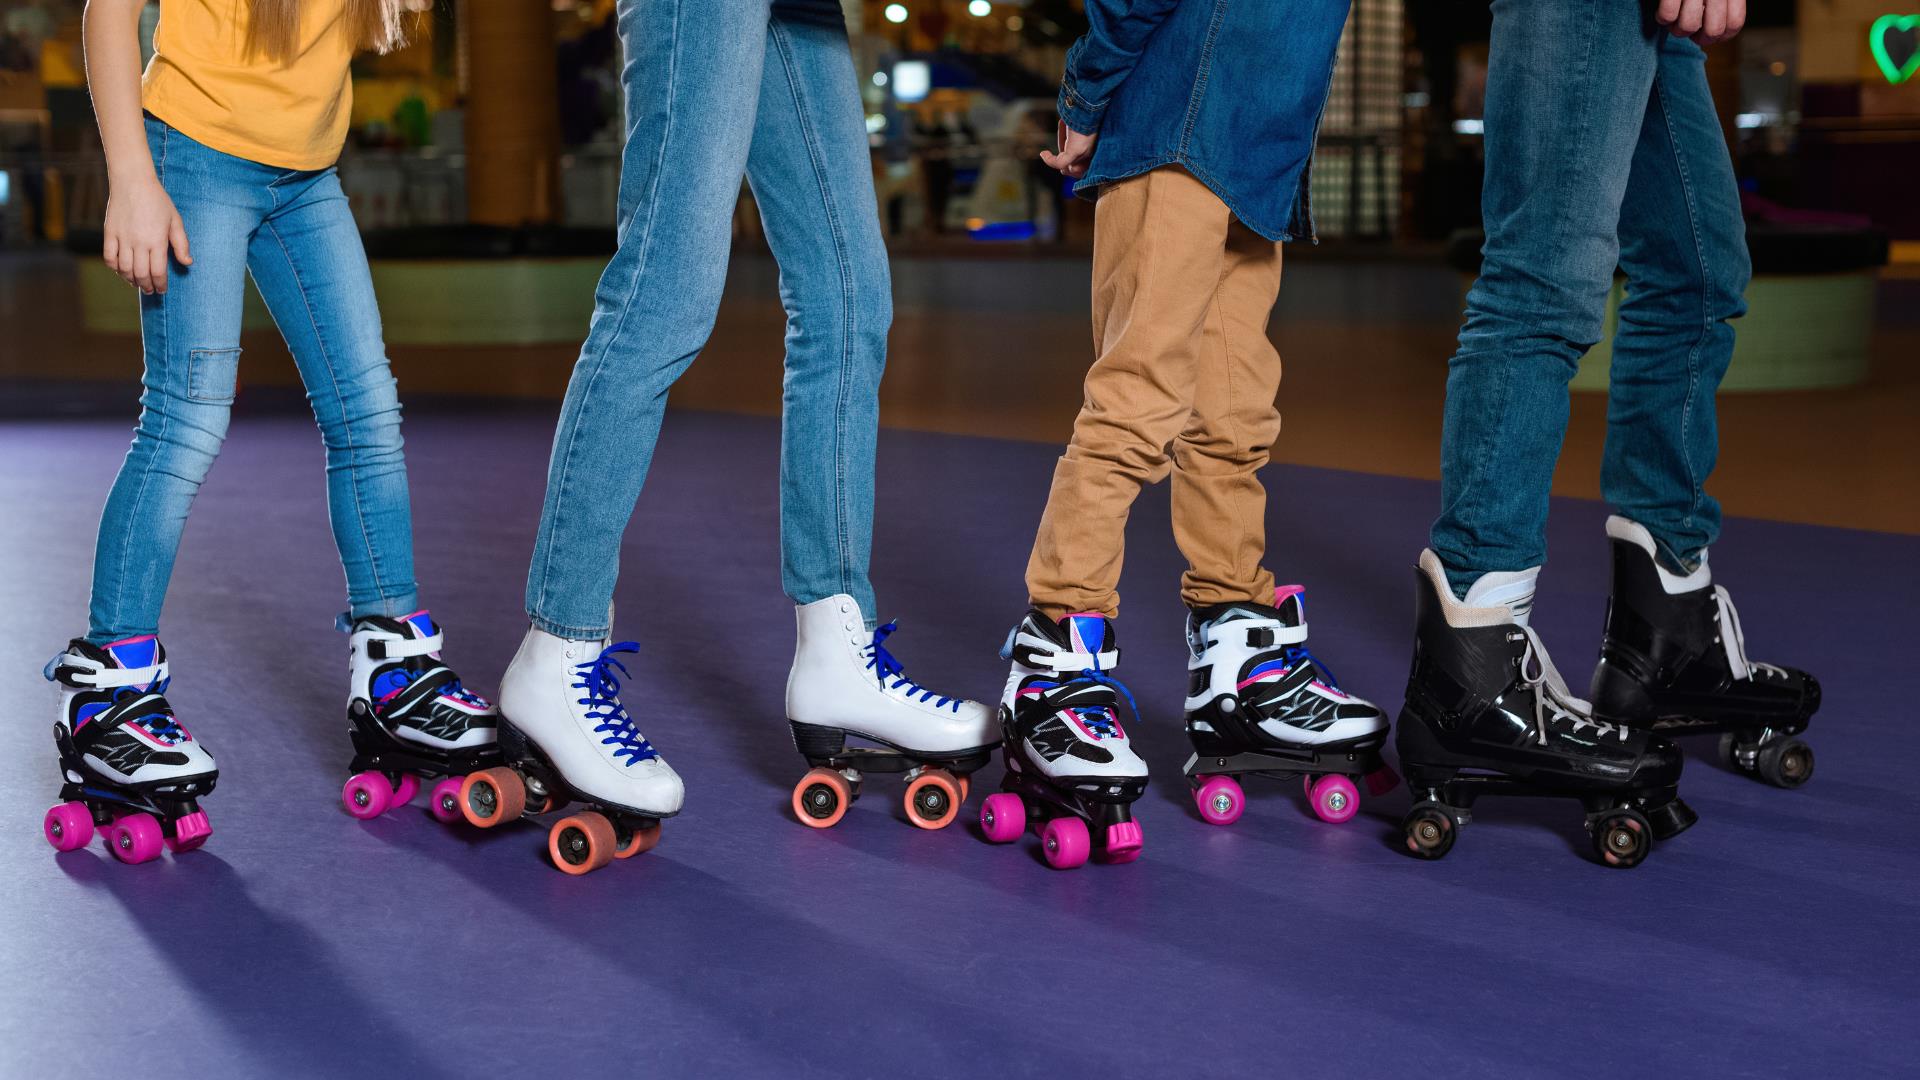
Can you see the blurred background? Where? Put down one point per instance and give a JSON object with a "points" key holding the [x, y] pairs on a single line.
{"points": [[484, 160]]}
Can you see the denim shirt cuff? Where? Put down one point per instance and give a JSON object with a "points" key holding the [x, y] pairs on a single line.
{"points": [[1080, 115]]}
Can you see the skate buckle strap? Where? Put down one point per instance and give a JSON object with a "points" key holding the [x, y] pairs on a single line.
{"points": [[73, 669], [885, 667], [1734, 639], [1264, 632], [401, 648]]}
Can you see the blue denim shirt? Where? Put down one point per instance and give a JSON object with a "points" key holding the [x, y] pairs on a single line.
{"points": [[1231, 90]]}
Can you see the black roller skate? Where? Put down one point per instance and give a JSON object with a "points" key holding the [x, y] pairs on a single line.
{"points": [[1071, 771], [1258, 702], [411, 718], [130, 772], [1674, 659], [1487, 714]]}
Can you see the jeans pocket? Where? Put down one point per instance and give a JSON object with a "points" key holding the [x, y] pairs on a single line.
{"points": [[212, 375]]}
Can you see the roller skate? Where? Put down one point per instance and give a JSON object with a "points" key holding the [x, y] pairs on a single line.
{"points": [[1487, 714], [845, 682], [129, 771], [1071, 772], [1675, 659], [1260, 703], [564, 738], [410, 718]]}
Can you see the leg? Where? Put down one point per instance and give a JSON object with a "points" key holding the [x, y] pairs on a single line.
{"points": [[810, 175], [1159, 251], [312, 272], [1567, 88], [191, 338], [1683, 247], [692, 78], [1219, 505]]}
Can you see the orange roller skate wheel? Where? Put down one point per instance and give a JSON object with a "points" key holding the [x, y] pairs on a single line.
{"points": [[581, 842], [933, 799], [821, 798], [966, 788], [640, 840], [492, 796]]}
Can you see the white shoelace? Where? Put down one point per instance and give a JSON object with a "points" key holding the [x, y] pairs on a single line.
{"points": [[1549, 689], [1734, 639]]}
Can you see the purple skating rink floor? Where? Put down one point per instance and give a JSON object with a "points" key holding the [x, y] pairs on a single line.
{"points": [[1778, 937]]}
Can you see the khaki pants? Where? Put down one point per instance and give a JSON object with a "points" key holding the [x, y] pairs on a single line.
{"points": [[1186, 381]]}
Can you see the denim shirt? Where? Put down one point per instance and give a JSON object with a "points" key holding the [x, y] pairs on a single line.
{"points": [[1231, 90]]}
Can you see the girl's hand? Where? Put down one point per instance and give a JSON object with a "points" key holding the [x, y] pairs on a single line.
{"points": [[1075, 153], [141, 227]]}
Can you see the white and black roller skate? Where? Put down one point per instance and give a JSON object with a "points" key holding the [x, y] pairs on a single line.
{"points": [[566, 738], [1071, 770], [129, 770], [1259, 702], [410, 718], [1487, 714], [845, 683], [1674, 659]]}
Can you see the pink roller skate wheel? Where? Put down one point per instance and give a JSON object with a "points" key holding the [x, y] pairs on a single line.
{"points": [[404, 791], [1124, 842], [69, 826], [1382, 780], [366, 795], [444, 800], [1003, 817], [189, 832], [136, 838], [1220, 800], [1065, 843], [1335, 799]]}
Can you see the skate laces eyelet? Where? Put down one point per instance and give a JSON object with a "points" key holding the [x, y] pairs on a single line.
{"points": [[884, 667], [602, 686]]}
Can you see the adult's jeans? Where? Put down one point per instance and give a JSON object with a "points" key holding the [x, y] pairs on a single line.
{"points": [[1602, 151], [292, 230], [716, 90]]}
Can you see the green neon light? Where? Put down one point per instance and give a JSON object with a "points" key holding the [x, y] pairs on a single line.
{"points": [[1877, 41]]}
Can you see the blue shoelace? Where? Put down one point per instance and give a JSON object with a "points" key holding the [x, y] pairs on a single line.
{"points": [[885, 667], [597, 678], [1298, 653]]}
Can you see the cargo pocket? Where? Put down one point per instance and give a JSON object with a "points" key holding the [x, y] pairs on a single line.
{"points": [[212, 375]]}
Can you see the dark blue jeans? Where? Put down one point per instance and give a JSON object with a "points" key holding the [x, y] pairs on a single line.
{"points": [[1603, 151]]}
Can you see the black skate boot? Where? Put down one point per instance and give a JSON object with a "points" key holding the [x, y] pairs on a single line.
{"points": [[1487, 714], [1674, 659], [1071, 770], [130, 771], [1260, 703]]}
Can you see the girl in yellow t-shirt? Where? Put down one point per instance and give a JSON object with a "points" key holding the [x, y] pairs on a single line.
{"points": [[220, 164]]}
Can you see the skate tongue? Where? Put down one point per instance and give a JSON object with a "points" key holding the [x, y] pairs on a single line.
{"points": [[1512, 590], [1086, 632], [419, 625], [135, 652]]}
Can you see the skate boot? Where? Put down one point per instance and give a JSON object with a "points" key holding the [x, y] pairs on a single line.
{"points": [[130, 772], [845, 682], [1487, 714], [410, 718], [1674, 659], [1258, 702], [1071, 771]]}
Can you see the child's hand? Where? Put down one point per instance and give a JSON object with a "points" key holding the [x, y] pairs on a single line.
{"points": [[141, 226], [1075, 153], [1707, 22]]}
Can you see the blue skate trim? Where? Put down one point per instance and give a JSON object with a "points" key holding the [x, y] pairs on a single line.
{"points": [[885, 667], [423, 623], [388, 683], [597, 678], [135, 654], [1091, 630]]}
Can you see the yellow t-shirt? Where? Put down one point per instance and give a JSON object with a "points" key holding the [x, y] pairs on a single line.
{"points": [[289, 113]]}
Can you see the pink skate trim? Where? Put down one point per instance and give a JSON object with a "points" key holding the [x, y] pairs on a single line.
{"points": [[415, 615], [128, 641], [1281, 592], [1264, 674], [1031, 691]]}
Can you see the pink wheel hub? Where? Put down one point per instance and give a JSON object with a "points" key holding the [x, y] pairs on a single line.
{"points": [[1220, 800], [1003, 817], [136, 838], [189, 832], [69, 826], [1066, 843], [1334, 799], [366, 795], [444, 800], [1124, 842]]}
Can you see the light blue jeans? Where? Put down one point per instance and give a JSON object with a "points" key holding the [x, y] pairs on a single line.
{"points": [[293, 231], [1603, 150], [716, 90]]}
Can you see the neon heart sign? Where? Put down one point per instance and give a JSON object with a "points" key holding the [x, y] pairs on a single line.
{"points": [[1886, 26]]}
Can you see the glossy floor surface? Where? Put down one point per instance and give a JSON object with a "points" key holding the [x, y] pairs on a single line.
{"points": [[1775, 938]]}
